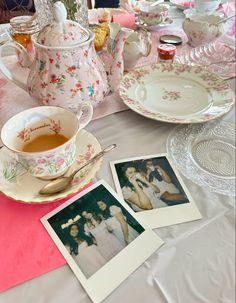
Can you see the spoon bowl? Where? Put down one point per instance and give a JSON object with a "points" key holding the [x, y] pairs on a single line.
{"points": [[60, 184]]}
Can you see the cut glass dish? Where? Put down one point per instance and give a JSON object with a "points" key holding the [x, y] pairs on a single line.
{"points": [[205, 154], [218, 57]]}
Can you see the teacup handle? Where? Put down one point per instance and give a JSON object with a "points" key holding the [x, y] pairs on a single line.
{"points": [[85, 113], [6, 72]]}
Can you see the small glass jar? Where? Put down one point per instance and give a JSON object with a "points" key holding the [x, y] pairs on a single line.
{"points": [[22, 28], [166, 52]]}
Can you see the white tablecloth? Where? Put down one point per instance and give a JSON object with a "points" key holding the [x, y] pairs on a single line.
{"points": [[196, 263]]}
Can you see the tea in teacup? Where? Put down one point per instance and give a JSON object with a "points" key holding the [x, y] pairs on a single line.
{"points": [[44, 142]]}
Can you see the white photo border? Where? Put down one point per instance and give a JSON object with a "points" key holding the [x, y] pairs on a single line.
{"points": [[164, 216], [98, 287]]}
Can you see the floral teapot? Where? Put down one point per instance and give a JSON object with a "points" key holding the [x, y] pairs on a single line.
{"points": [[66, 69]]}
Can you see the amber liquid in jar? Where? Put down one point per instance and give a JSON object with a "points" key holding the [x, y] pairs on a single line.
{"points": [[166, 52], [24, 40], [22, 27]]}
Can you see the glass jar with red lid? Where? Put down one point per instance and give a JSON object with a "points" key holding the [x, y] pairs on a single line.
{"points": [[166, 52]]}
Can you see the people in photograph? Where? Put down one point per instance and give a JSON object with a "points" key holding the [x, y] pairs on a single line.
{"points": [[107, 244], [138, 191], [158, 176], [117, 222], [84, 251]]}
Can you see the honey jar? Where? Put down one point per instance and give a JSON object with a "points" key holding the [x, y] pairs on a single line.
{"points": [[22, 28]]}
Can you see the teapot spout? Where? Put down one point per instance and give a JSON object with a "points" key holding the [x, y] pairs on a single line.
{"points": [[116, 50]]}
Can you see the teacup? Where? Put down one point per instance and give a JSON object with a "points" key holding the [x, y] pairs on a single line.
{"points": [[47, 121], [154, 15], [201, 28]]}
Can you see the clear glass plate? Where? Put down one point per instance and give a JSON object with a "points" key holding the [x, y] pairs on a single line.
{"points": [[205, 154]]}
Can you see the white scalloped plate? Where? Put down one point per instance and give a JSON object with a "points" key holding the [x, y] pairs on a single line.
{"points": [[176, 93], [18, 185]]}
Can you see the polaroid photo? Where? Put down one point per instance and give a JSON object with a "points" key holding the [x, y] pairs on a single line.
{"points": [[99, 237], [153, 189]]}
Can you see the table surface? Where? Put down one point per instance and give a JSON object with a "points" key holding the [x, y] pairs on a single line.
{"points": [[196, 263]]}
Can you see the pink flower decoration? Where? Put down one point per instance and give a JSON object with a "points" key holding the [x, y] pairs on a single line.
{"points": [[60, 161], [233, 30], [87, 156], [41, 161], [188, 3], [22, 134]]}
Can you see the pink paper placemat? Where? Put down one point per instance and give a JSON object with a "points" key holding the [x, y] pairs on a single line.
{"points": [[26, 249]]}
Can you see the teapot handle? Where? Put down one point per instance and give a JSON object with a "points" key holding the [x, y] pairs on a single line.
{"points": [[6, 72]]}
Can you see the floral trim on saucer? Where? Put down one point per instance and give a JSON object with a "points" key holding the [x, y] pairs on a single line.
{"points": [[15, 180]]}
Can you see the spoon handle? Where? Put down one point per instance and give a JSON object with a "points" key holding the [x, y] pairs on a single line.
{"points": [[224, 20], [96, 157]]}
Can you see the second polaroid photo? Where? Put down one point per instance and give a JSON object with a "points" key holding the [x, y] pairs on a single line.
{"points": [[152, 188]]}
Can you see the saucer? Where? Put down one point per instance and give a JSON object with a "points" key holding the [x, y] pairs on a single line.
{"points": [[141, 24], [19, 185]]}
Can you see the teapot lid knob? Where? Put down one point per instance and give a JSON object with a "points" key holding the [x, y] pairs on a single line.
{"points": [[62, 32], [59, 12]]}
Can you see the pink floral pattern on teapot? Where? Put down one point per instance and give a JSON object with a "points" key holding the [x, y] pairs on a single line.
{"points": [[66, 69], [61, 78]]}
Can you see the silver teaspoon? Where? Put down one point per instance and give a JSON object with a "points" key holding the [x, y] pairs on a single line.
{"points": [[62, 183]]}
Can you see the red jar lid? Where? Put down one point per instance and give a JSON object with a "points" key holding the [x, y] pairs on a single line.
{"points": [[166, 49]]}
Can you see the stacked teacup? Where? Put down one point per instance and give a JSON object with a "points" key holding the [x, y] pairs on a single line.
{"points": [[152, 15]]}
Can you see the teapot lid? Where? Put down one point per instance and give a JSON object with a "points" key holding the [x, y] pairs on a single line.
{"points": [[62, 32]]}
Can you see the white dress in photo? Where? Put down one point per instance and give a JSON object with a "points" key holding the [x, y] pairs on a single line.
{"points": [[107, 244], [154, 197], [165, 186], [115, 226], [89, 259]]}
